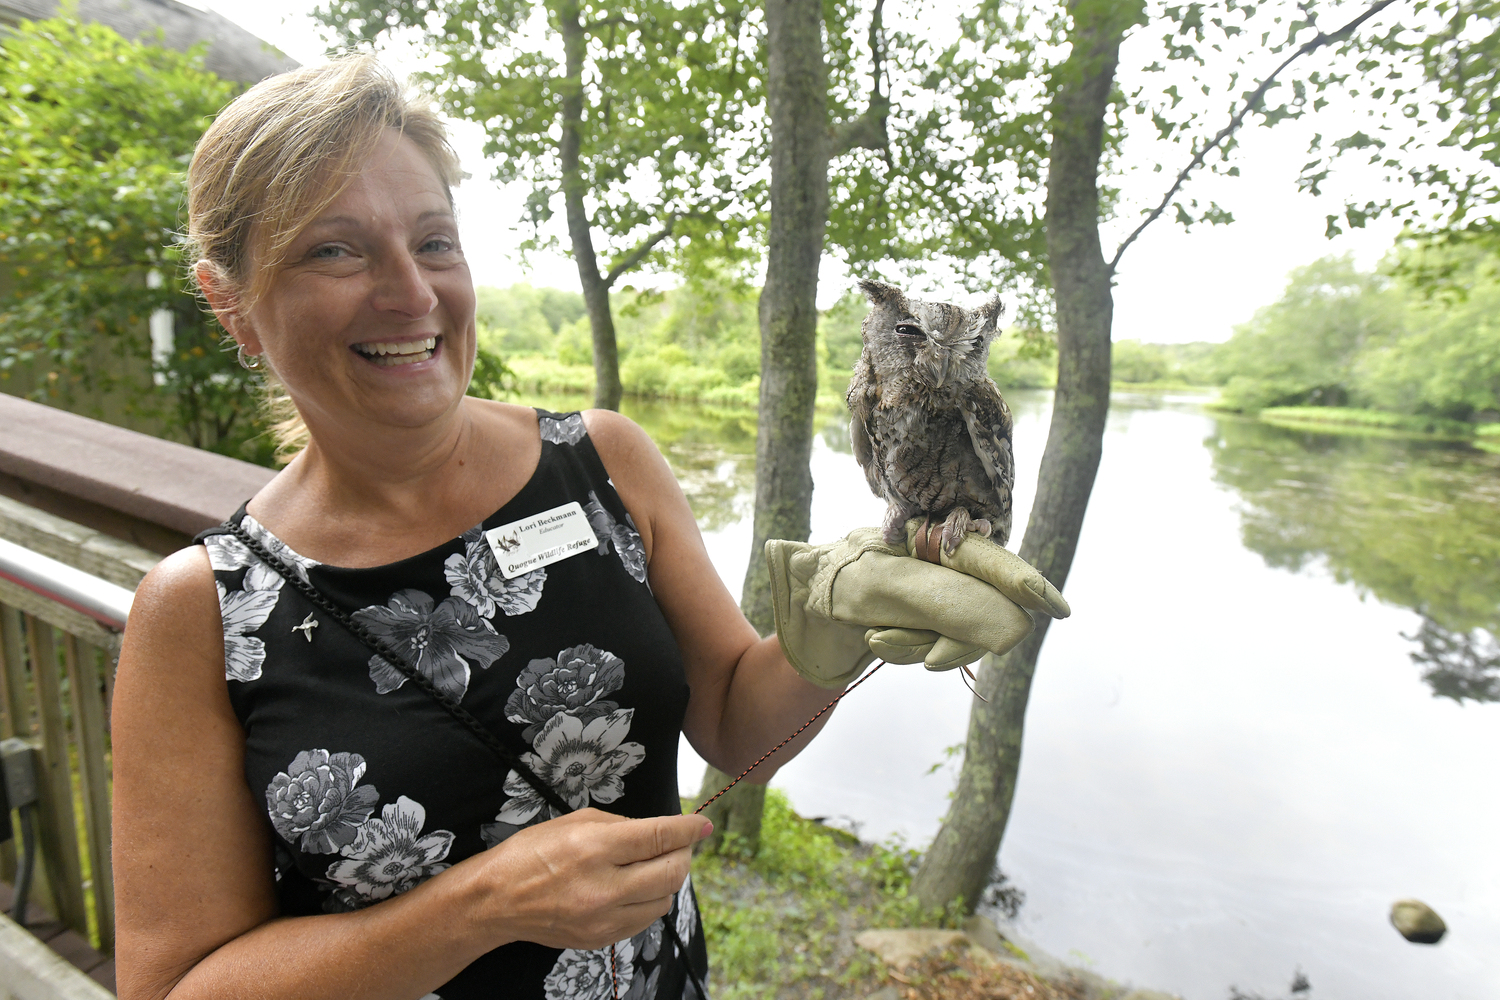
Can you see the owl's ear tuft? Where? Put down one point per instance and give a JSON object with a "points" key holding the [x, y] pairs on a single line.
{"points": [[987, 316], [878, 292]]}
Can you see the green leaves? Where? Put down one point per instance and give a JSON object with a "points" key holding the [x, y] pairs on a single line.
{"points": [[95, 136], [1432, 81], [662, 90]]}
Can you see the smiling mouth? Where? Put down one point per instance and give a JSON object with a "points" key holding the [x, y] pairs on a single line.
{"points": [[390, 353]]}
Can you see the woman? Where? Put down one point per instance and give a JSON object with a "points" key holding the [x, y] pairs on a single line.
{"points": [[276, 776]]}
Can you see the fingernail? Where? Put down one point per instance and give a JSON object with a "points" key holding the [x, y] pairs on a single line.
{"points": [[707, 831]]}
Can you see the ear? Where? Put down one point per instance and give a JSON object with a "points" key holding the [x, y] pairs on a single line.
{"points": [[987, 316], [878, 292], [224, 302]]}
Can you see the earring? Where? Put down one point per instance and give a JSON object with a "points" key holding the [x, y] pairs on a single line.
{"points": [[249, 362]]}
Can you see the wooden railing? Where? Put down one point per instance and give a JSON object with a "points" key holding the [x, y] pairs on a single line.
{"points": [[59, 639], [109, 502]]}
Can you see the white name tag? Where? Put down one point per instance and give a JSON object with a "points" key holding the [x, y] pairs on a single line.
{"points": [[541, 540]]}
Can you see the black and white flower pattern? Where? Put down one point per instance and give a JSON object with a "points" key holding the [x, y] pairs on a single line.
{"points": [[315, 803], [625, 539], [576, 682], [390, 854], [299, 563], [476, 579], [592, 975], [440, 641], [562, 430], [245, 610], [687, 911], [583, 762]]}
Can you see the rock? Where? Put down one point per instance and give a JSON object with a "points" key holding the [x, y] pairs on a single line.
{"points": [[983, 934], [905, 946], [1417, 922]]}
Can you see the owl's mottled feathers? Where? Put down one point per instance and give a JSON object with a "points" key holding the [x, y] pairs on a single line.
{"points": [[929, 426]]}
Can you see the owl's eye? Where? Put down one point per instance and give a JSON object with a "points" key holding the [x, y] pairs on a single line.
{"points": [[909, 330]]}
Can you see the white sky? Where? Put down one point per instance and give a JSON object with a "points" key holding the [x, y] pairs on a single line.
{"points": [[1172, 286]]}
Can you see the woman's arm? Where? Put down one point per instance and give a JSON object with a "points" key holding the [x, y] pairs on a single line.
{"points": [[195, 897], [745, 697]]}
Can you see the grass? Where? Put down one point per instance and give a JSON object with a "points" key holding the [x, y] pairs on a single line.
{"points": [[782, 924], [540, 375], [1378, 422], [1164, 385]]}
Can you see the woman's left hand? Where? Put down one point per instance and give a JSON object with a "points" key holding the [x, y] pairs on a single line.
{"points": [[840, 605]]}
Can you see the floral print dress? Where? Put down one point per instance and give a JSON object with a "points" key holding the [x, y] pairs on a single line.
{"points": [[371, 788]]}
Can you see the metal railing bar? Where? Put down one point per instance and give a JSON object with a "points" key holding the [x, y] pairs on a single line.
{"points": [[101, 600]]}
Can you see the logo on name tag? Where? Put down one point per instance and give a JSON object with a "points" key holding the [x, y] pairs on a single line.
{"points": [[541, 539]]}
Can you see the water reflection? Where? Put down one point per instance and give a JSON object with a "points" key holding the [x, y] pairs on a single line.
{"points": [[1231, 769], [1411, 523]]}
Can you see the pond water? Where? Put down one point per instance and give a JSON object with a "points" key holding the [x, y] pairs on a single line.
{"points": [[1233, 763]]}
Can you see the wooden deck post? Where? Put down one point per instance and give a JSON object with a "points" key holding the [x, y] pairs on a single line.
{"points": [[58, 834]]}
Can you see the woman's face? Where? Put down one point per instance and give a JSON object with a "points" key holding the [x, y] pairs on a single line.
{"points": [[369, 318]]}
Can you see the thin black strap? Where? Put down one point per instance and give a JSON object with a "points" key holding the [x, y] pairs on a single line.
{"points": [[391, 656]]}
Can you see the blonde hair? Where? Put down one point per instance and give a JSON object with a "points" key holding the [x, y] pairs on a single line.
{"points": [[274, 159]]}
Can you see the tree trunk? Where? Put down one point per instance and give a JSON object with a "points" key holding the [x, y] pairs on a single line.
{"points": [[736, 815], [962, 857], [595, 288], [796, 93]]}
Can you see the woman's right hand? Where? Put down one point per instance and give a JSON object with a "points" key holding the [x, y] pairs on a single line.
{"points": [[585, 880]]}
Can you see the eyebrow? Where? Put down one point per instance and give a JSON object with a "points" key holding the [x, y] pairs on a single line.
{"points": [[349, 220]]}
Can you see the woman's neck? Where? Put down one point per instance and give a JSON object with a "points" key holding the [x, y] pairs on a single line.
{"points": [[366, 498]]}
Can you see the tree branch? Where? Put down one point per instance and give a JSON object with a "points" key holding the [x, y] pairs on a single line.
{"points": [[868, 131], [637, 255], [1251, 103]]}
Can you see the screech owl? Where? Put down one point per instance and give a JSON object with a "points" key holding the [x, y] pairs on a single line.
{"points": [[929, 426]]}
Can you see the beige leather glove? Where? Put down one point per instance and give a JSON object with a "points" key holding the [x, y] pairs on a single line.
{"points": [[838, 606]]}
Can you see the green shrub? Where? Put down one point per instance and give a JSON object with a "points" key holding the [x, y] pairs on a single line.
{"points": [[782, 922]]}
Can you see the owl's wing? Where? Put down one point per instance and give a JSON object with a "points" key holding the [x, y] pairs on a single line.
{"points": [[989, 423], [862, 399]]}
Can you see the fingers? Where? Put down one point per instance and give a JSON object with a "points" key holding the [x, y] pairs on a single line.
{"points": [[916, 645], [902, 593], [900, 645], [1004, 570], [638, 840], [587, 878], [948, 653]]}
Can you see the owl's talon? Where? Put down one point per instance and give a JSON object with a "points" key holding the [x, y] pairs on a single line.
{"points": [[982, 528], [957, 525]]}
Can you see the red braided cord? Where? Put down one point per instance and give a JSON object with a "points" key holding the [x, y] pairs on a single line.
{"points": [[868, 674]]}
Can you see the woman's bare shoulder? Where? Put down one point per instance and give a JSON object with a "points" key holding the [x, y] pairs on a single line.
{"points": [[623, 446], [176, 608]]}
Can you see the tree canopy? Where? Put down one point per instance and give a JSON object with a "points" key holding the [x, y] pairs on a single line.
{"points": [[95, 136], [1342, 337]]}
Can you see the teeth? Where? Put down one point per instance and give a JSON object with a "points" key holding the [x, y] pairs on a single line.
{"points": [[383, 348], [388, 360], [387, 353]]}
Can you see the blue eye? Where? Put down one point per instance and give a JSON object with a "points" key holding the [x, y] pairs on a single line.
{"points": [[328, 251]]}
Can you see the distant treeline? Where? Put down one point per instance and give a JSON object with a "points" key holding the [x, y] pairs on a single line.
{"points": [[1419, 337], [699, 342]]}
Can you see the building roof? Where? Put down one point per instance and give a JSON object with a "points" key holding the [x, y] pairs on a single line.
{"points": [[233, 53]]}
